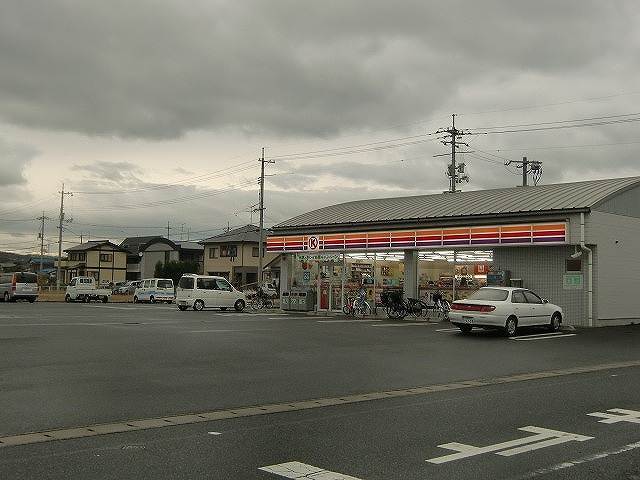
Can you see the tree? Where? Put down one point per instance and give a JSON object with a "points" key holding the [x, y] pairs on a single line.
{"points": [[174, 269]]}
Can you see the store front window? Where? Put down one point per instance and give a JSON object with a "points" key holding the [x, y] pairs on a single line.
{"points": [[438, 269], [334, 278]]}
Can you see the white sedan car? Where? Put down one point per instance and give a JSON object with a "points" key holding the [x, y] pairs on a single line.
{"points": [[505, 308]]}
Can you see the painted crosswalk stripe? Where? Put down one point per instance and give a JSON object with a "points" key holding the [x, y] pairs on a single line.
{"points": [[543, 438], [547, 337], [304, 471], [617, 415]]}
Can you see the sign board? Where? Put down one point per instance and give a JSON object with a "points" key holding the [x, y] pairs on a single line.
{"points": [[474, 236], [320, 257], [313, 243], [572, 281]]}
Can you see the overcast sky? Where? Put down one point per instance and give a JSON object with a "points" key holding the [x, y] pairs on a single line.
{"points": [[155, 111]]}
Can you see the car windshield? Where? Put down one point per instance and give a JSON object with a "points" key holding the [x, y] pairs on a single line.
{"points": [[24, 277], [491, 294]]}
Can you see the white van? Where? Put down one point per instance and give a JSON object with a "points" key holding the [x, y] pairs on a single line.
{"points": [[154, 290], [202, 291], [19, 285]]}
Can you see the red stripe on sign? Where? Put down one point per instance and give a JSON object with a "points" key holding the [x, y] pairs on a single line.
{"points": [[402, 239], [485, 235], [548, 233], [355, 240], [456, 237], [428, 237], [515, 234]]}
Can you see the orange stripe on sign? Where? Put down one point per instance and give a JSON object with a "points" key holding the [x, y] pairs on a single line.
{"points": [[294, 239], [333, 237], [456, 231], [355, 235], [378, 236], [402, 234], [516, 228], [429, 232], [551, 226], [485, 230]]}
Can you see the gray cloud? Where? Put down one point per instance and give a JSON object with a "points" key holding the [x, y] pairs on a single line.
{"points": [[156, 69], [14, 159]]}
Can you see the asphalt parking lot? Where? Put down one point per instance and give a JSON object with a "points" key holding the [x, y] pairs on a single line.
{"points": [[76, 366]]}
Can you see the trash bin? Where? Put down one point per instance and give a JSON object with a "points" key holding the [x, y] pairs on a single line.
{"points": [[306, 301], [285, 301], [293, 300]]}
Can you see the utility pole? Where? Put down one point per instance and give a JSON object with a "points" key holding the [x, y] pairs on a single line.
{"points": [[528, 166], [168, 229], [58, 273], [261, 208], [41, 235], [455, 172]]}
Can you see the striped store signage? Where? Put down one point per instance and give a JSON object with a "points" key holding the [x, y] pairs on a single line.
{"points": [[533, 234]]}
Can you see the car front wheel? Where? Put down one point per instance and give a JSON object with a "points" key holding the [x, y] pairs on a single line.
{"points": [[198, 305], [556, 321], [511, 327], [239, 305]]}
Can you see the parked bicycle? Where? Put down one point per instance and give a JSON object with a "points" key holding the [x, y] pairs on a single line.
{"points": [[358, 305], [261, 300], [439, 307]]}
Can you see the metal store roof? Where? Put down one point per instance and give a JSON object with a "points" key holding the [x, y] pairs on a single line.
{"points": [[514, 200]]}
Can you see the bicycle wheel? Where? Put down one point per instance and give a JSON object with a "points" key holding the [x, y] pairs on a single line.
{"points": [[256, 303], [364, 310]]}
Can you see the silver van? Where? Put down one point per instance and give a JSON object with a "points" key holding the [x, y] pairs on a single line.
{"points": [[18, 285]]}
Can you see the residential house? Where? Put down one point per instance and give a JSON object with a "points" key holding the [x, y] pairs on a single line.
{"points": [[234, 255], [100, 259], [47, 262], [143, 254]]}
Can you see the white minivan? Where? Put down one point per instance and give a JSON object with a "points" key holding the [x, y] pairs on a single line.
{"points": [[18, 285], [154, 290], [202, 291]]}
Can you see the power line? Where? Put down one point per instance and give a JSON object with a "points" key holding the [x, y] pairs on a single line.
{"points": [[201, 178], [558, 127], [565, 102], [604, 117]]}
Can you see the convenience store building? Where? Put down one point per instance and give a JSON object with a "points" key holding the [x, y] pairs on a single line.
{"points": [[576, 244]]}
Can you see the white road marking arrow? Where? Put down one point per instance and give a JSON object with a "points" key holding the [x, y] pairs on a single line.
{"points": [[630, 416], [303, 471], [544, 438]]}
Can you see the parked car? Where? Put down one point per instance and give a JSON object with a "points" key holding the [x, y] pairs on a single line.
{"points": [[129, 287], [202, 291], [84, 289], [506, 308], [116, 287], [268, 289], [18, 285], [154, 290]]}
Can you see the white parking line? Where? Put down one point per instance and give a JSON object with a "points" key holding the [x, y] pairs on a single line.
{"points": [[448, 330], [408, 324], [302, 470], [548, 337], [350, 320], [543, 438]]}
